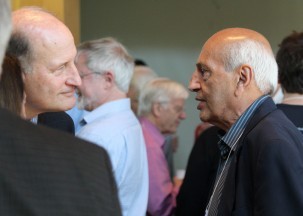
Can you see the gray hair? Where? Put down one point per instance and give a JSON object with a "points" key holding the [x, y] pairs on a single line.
{"points": [[5, 27], [255, 54], [141, 75], [107, 54], [160, 90]]}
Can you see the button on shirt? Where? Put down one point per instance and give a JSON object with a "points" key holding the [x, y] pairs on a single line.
{"points": [[115, 127], [227, 145]]}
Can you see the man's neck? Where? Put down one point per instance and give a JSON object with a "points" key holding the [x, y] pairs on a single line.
{"points": [[30, 113], [292, 98]]}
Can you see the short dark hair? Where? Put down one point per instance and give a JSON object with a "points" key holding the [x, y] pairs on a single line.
{"points": [[19, 47], [290, 62], [140, 62], [11, 85]]}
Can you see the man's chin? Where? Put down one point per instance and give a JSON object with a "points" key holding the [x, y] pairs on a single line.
{"points": [[80, 106], [61, 108], [86, 107], [82, 103], [204, 118], [69, 106]]}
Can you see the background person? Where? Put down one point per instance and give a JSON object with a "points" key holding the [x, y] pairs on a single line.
{"points": [[289, 58], [161, 109], [106, 69], [200, 175], [143, 74]]}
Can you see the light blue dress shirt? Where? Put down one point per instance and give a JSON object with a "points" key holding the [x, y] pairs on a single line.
{"points": [[115, 127], [77, 115]]}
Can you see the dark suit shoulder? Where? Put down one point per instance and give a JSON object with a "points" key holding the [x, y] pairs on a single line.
{"points": [[200, 174], [57, 120], [266, 168], [48, 172]]}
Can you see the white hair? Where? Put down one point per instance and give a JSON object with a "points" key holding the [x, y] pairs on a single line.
{"points": [[141, 75], [5, 27], [107, 54], [255, 54], [159, 90]]}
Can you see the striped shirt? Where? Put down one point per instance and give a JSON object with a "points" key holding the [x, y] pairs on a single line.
{"points": [[228, 145]]}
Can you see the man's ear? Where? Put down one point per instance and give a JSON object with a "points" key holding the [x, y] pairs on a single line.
{"points": [[245, 78], [109, 78], [157, 109]]}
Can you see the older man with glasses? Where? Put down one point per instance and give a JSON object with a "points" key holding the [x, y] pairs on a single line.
{"points": [[161, 110], [106, 68]]}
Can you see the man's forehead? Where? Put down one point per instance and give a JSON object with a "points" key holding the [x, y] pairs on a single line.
{"points": [[205, 54]]}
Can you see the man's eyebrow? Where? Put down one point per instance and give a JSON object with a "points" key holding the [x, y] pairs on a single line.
{"points": [[200, 66]]}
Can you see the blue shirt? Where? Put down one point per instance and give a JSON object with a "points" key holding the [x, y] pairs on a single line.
{"points": [[115, 127], [77, 115]]}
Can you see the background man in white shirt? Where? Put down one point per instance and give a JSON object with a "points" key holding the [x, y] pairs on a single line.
{"points": [[106, 70]]}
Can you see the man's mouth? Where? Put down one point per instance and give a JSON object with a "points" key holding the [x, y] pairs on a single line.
{"points": [[201, 103], [70, 93]]}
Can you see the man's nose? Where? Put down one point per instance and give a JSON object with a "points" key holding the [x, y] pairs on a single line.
{"points": [[74, 77], [193, 83]]}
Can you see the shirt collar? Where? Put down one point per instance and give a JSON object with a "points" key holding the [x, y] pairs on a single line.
{"points": [[34, 120], [108, 109], [152, 129], [235, 132]]}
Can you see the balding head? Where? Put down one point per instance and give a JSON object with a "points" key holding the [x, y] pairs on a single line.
{"points": [[35, 19], [235, 34], [46, 50], [141, 75], [32, 26], [236, 66], [237, 46]]}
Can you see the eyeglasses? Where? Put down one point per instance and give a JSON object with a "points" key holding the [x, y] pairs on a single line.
{"points": [[84, 75], [205, 73]]}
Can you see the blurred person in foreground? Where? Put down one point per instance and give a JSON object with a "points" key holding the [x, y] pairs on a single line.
{"points": [[106, 69], [48, 172], [290, 62], [235, 73], [161, 109]]}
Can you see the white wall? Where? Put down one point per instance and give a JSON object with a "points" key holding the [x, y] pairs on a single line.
{"points": [[168, 34]]}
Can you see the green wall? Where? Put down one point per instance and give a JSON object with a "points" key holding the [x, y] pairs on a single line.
{"points": [[168, 35]]}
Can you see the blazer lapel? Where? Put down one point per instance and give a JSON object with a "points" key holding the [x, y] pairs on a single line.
{"points": [[227, 202]]}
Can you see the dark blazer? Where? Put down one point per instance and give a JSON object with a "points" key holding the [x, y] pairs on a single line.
{"points": [[57, 120], [49, 172], [266, 172], [200, 174]]}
